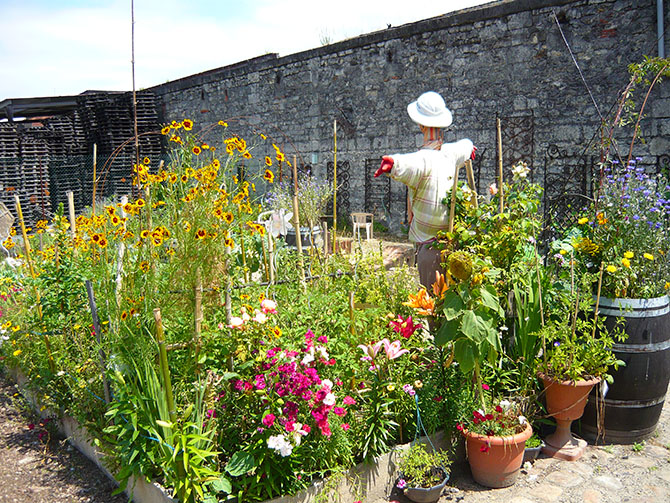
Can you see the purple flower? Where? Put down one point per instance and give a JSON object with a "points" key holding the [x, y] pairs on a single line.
{"points": [[401, 484]]}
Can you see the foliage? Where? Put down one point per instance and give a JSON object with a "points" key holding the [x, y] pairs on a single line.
{"points": [[418, 466], [313, 197], [626, 229], [504, 419], [578, 345]]}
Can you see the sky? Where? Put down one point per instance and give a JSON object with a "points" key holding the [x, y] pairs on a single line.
{"points": [[65, 47]]}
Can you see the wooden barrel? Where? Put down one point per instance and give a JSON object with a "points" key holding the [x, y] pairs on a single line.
{"points": [[633, 404]]}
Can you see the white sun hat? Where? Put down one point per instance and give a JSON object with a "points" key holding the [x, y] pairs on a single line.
{"points": [[429, 110]]}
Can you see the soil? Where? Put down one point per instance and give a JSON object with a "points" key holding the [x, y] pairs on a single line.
{"points": [[39, 467]]}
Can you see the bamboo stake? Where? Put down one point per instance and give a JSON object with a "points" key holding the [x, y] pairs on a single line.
{"points": [[298, 240], [244, 257], [352, 328], [165, 370], [98, 337], [95, 179], [500, 164], [70, 206], [334, 185], [119, 257], [198, 316], [595, 311], [452, 209], [265, 260], [271, 257], [471, 182], [26, 244]]}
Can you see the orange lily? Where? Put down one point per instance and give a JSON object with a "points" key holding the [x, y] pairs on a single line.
{"points": [[422, 302]]}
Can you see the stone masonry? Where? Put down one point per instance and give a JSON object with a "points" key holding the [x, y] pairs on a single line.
{"points": [[505, 59]]}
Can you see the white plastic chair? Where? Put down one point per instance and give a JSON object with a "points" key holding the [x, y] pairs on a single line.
{"points": [[360, 220]]}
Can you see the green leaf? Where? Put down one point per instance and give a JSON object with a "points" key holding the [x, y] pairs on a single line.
{"points": [[164, 424], [222, 485], [490, 299], [464, 354], [240, 463], [476, 325], [453, 305], [447, 332]]}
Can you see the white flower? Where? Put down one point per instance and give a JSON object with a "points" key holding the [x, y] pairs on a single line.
{"points": [[505, 405], [260, 317], [324, 353], [522, 420], [328, 383], [280, 444], [330, 399], [521, 170], [308, 358]]}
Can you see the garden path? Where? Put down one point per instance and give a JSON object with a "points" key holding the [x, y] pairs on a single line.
{"points": [[37, 469], [604, 474]]}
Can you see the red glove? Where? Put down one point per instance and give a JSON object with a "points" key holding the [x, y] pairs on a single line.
{"points": [[387, 165], [472, 155]]}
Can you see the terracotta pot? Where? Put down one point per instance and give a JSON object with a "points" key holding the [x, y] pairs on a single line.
{"points": [[500, 464], [565, 403]]}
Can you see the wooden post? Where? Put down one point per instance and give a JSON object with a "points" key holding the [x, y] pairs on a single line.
{"points": [[471, 182], [500, 164], [298, 240], [70, 206], [38, 300], [198, 316], [95, 179], [98, 337], [165, 370], [334, 185], [452, 208], [271, 257], [265, 259], [119, 257]]}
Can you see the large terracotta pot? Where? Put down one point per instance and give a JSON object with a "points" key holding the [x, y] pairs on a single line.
{"points": [[565, 403], [499, 465]]}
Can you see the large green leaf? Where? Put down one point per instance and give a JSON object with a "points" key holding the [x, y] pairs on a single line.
{"points": [[449, 330], [240, 463], [453, 305], [490, 299], [477, 325], [222, 485], [464, 354]]}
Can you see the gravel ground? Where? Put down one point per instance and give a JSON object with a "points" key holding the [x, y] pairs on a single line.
{"points": [[604, 474], [46, 469]]}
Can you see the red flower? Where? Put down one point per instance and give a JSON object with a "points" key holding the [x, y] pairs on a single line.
{"points": [[459, 427], [485, 448], [485, 387], [499, 408]]}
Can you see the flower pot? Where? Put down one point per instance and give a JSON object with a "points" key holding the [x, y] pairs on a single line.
{"points": [[427, 495], [633, 403], [496, 461], [531, 453], [565, 403], [305, 237]]}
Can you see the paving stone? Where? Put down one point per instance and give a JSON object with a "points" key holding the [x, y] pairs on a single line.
{"points": [[663, 473], [659, 493], [591, 496], [547, 493], [580, 468], [563, 478], [609, 483], [656, 451], [642, 462], [521, 499]]}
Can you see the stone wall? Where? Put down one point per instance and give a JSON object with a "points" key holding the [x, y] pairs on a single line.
{"points": [[505, 59]]}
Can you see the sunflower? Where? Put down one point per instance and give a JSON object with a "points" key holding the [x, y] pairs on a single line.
{"points": [[247, 154], [276, 331], [184, 178], [228, 217], [165, 131], [188, 124], [96, 237], [223, 124], [144, 266], [196, 150], [216, 164], [140, 203], [146, 161], [124, 315], [229, 242], [269, 176], [268, 161], [115, 220], [200, 234], [280, 156], [102, 242]]}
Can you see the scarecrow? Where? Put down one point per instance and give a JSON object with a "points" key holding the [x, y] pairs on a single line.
{"points": [[429, 175]]}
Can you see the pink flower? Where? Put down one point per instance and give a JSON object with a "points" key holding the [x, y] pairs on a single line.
{"points": [[339, 411], [220, 326], [393, 349], [31, 426], [236, 322], [269, 306], [349, 400], [345, 426], [260, 317], [371, 350], [485, 448], [405, 328], [269, 420], [493, 189], [322, 339], [485, 387]]}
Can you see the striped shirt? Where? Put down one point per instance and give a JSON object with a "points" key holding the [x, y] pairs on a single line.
{"points": [[429, 176]]}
